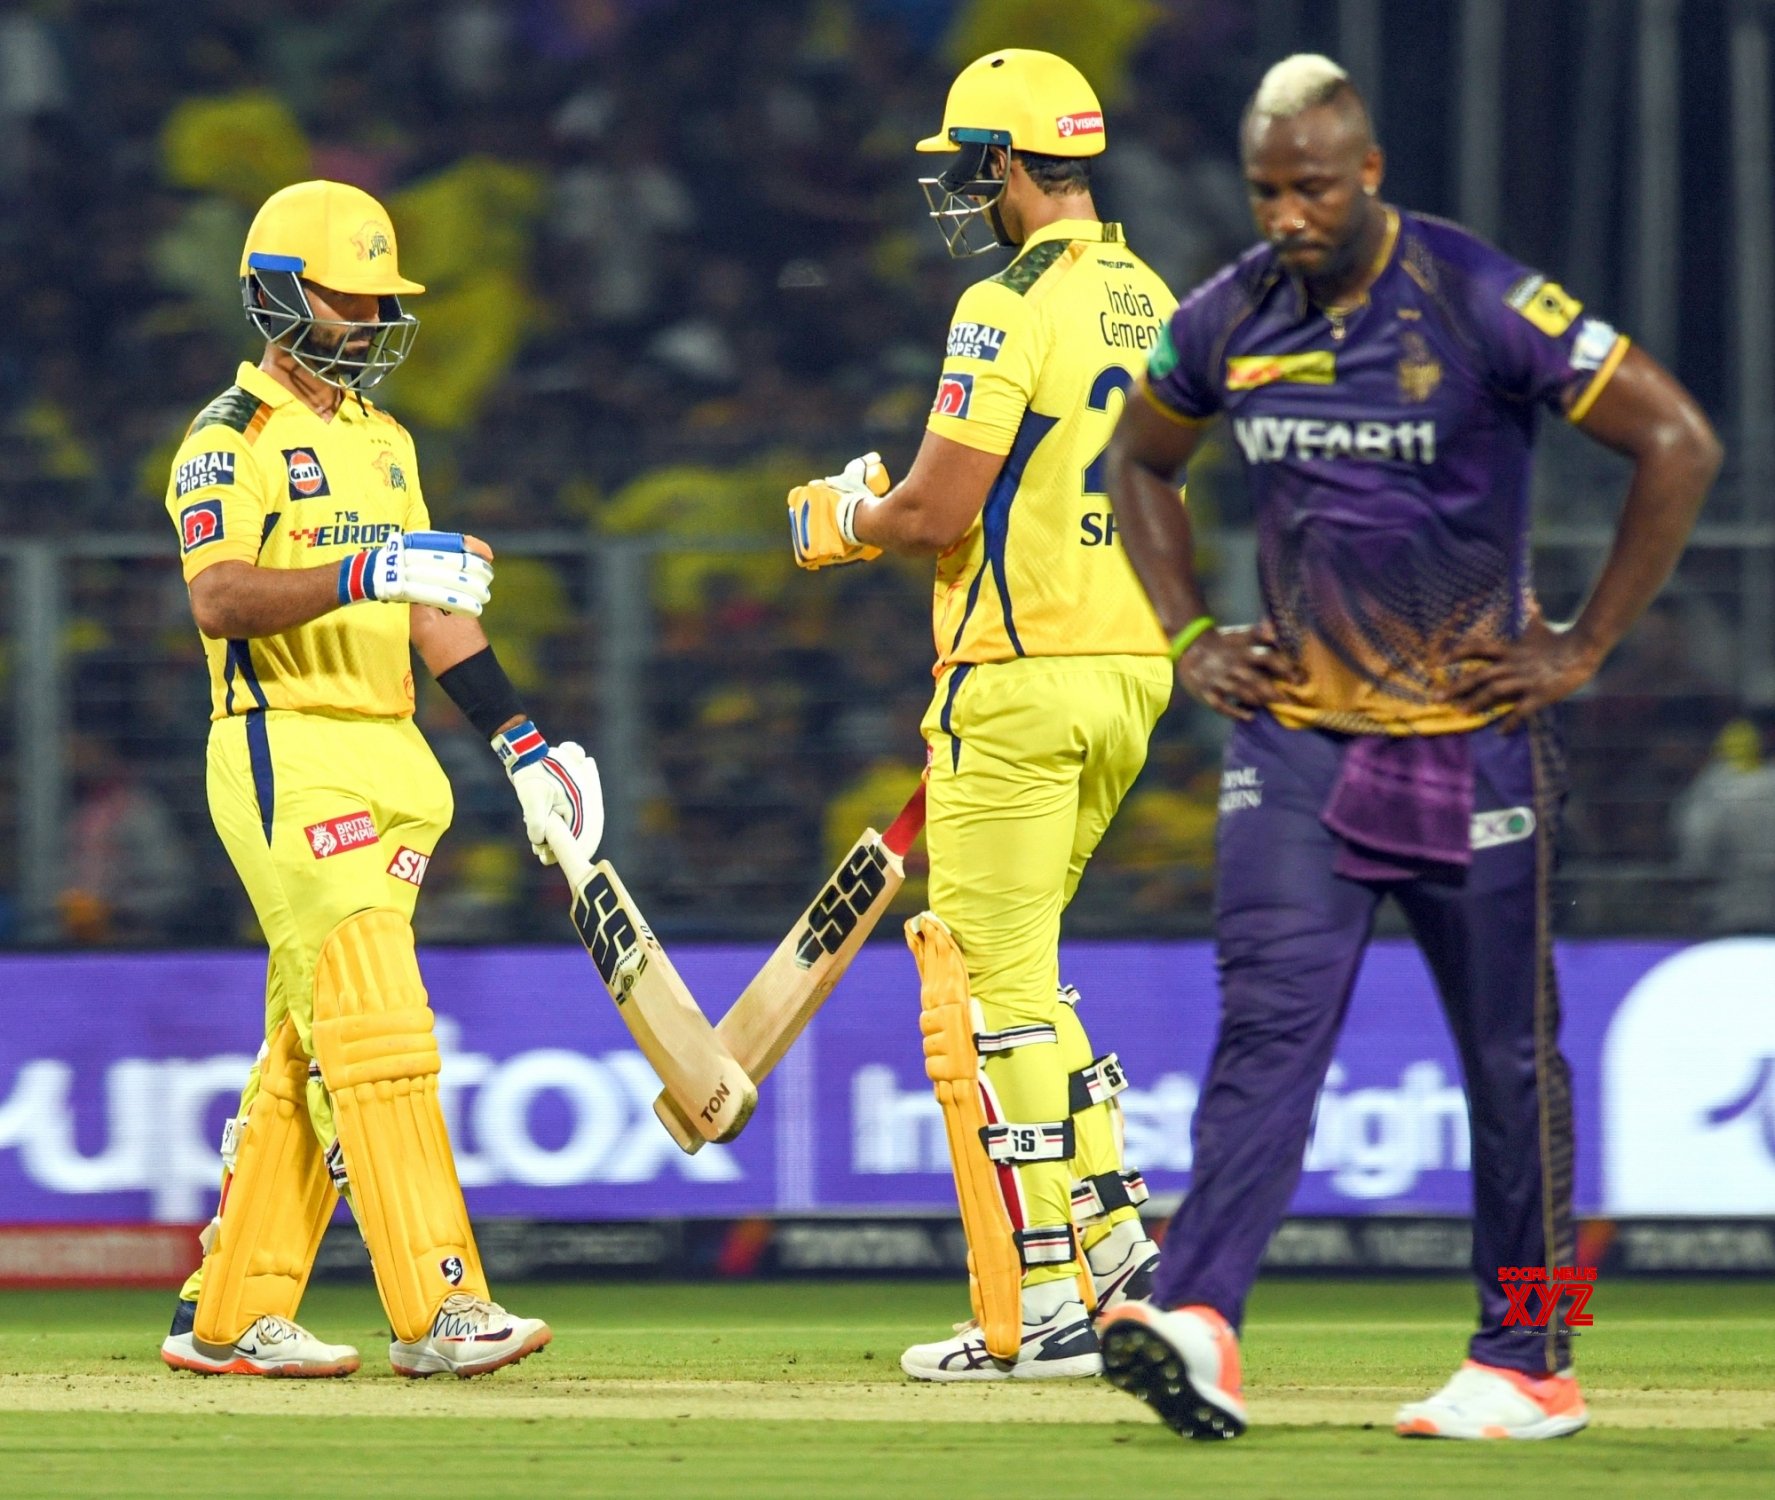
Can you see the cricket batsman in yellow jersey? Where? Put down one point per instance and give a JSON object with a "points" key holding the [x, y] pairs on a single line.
{"points": [[1051, 671], [312, 569]]}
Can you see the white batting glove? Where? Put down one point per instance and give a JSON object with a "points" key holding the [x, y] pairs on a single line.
{"points": [[441, 568], [558, 781]]}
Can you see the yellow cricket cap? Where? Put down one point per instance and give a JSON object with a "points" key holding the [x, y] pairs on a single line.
{"points": [[330, 233], [1041, 101]]}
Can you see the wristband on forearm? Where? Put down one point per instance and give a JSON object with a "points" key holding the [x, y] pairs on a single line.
{"points": [[357, 582], [479, 687], [1190, 634]]}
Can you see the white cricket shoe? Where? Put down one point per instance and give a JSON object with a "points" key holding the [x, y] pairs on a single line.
{"points": [[272, 1346], [469, 1336], [1183, 1363], [1057, 1343], [1122, 1264], [1488, 1401]]}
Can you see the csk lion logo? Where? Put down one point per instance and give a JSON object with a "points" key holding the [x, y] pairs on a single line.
{"points": [[371, 242], [392, 474]]}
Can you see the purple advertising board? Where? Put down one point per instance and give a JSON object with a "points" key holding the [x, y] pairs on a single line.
{"points": [[116, 1073]]}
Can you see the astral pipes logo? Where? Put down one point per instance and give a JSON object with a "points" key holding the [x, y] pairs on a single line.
{"points": [[1533, 1293]]}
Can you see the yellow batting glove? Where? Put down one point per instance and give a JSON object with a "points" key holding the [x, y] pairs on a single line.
{"points": [[821, 514]]}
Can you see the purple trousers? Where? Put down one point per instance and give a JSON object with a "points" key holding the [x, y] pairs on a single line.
{"points": [[1290, 934]]}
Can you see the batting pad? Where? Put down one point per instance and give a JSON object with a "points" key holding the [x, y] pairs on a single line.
{"points": [[373, 1040], [952, 1063], [278, 1199]]}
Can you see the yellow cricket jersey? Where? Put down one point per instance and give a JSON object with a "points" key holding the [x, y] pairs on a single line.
{"points": [[261, 479], [1039, 361]]}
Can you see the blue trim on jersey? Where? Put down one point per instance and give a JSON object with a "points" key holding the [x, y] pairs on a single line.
{"points": [[259, 754], [956, 678], [996, 521], [240, 658]]}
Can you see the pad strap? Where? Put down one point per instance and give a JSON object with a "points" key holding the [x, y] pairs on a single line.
{"points": [[1097, 1197], [988, 1042], [1049, 1245], [1101, 1081], [1010, 1144]]}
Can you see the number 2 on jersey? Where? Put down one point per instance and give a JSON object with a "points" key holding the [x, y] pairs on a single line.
{"points": [[1108, 382]]}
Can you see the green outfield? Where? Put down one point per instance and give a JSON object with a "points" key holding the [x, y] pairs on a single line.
{"points": [[795, 1391]]}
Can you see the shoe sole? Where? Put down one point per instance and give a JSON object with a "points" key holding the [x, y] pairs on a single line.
{"points": [[245, 1366], [1138, 1361], [538, 1340], [1549, 1427]]}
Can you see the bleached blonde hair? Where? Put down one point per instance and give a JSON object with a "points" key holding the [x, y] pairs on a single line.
{"points": [[1296, 84]]}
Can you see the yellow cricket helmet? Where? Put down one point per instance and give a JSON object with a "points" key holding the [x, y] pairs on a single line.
{"points": [[338, 238], [1017, 100]]}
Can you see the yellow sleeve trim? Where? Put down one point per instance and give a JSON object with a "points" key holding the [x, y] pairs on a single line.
{"points": [[1170, 413], [968, 434], [1581, 407], [217, 552]]}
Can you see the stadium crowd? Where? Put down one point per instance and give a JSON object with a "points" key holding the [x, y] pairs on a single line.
{"points": [[675, 261]]}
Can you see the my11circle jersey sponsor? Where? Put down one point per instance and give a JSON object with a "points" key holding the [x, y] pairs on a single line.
{"points": [[1265, 440]]}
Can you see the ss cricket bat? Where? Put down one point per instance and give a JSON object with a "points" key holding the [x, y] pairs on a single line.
{"points": [[776, 1006], [711, 1092]]}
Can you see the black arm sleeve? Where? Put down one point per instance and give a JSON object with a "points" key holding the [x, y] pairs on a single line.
{"points": [[479, 687]]}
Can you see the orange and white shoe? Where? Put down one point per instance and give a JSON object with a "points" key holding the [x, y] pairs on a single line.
{"points": [[1183, 1363], [469, 1336], [1488, 1401], [272, 1346]]}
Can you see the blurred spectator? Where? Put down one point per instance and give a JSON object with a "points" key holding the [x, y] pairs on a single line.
{"points": [[1724, 826], [128, 870]]}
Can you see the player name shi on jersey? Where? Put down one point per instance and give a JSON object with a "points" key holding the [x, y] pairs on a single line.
{"points": [[1387, 457], [1039, 360]]}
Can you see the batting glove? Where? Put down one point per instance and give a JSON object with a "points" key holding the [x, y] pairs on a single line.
{"points": [[441, 568], [822, 511], [559, 781]]}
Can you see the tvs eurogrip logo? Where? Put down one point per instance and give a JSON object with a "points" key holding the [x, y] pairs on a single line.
{"points": [[1533, 1292]]}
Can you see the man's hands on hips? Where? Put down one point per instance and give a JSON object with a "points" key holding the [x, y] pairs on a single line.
{"points": [[1532, 672], [445, 569], [558, 781], [821, 513], [1236, 671]]}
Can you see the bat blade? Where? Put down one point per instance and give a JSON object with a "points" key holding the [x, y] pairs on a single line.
{"points": [[784, 995], [711, 1092]]}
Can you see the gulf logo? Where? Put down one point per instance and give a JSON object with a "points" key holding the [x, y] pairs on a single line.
{"points": [[954, 392], [307, 477]]}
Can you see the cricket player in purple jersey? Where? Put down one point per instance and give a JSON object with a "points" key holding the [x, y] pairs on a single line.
{"points": [[1383, 375]]}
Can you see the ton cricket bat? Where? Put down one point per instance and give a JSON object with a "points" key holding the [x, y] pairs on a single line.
{"points": [[776, 1006], [712, 1093]]}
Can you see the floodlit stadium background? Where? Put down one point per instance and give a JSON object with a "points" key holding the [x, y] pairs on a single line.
{"points": [[677, 261]]}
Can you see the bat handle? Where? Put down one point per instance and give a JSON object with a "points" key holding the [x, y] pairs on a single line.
{"points": [[574, 865]]}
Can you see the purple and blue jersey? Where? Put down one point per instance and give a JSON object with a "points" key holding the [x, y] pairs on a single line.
{"points": [[1388, 448]]}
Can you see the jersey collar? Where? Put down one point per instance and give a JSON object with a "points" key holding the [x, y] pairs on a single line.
{"points": [[254, 380], [1073, 229]]}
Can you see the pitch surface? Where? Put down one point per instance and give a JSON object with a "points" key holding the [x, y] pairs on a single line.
{"points": [[743, 1390]]}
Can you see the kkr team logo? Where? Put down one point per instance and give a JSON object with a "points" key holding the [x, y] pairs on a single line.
{"points": [[307, 477], [337, 835], [1420, 372], [200, 523], [954, 393]]}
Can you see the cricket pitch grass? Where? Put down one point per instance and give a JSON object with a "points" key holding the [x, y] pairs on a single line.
{"points": [[795, 1391]]}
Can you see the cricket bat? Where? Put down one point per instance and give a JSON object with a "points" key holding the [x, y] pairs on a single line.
{"points": [[711, 1092], [776, 1006]]}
